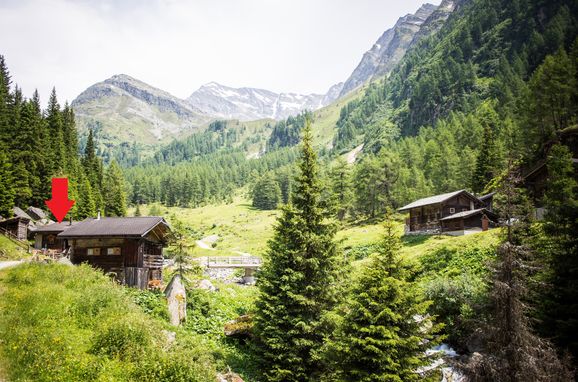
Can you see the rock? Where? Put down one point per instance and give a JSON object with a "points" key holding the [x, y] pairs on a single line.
{"points": [[229, 377], [207, 285], [176, 300], [240, 327]]}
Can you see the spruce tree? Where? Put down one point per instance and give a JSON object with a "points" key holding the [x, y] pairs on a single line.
{"points": [[385, 330], [6, 185], [512, 352], [266, 193], [297, 281], [114, 193], [340, 176], [560, 248]]}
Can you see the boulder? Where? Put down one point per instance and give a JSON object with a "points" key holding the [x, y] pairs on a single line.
{"points": [[229, 377], [240, 327], [207, 285], [176, 300]]}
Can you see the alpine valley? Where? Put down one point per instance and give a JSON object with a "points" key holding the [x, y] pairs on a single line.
{"points": [[415, 221]]}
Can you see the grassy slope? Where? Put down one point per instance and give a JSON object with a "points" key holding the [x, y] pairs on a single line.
{"points": [[9, 250], [60, 323]]}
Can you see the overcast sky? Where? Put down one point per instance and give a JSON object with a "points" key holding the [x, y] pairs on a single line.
{"points": [[301, 46]]}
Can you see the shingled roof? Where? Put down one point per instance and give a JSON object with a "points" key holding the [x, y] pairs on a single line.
{"points": [[434, 200], [114, 227], [55, 227], [465, 214]]}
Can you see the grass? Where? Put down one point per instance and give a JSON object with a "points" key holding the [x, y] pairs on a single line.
{"points": [[61, 323], [9, 250]]}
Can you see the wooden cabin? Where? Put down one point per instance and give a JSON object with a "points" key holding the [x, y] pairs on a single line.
{"points": [[46, 237], [426, 215], [16, 227], [131, 248]]}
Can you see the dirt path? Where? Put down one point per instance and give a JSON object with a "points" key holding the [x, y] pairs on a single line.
{"points": [[206, 242], [8, 264]]}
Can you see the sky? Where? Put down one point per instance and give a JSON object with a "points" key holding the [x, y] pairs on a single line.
{"points": [[301, 46]]}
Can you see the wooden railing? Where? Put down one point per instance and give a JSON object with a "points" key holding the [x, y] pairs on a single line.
{"points": [[153, 261], [15, 239], [221, 261]]}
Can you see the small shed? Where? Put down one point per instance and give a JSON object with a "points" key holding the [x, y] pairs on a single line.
{"points": [[16, 227], [131, 248]]}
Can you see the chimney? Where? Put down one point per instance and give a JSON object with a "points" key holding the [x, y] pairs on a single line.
{"points": [[70, 221], [98, 216]]}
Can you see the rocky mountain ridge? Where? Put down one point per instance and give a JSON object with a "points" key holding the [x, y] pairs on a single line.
{"points": [[248, 104], [388, 49]]}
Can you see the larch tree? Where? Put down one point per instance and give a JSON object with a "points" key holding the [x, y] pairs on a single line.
{"points": [[297, 281]]}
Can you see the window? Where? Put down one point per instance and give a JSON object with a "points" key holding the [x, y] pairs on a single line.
{"points": [[93, 252], [113, 251], [452, 210]]}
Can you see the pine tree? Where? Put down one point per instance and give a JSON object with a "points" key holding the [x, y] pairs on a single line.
{"points": [[114, 193], [385, 330], [512, 352], [487, 160], [6, 186], [297, 282], [340, 176], [266, 193], [560, 299], [85, 206]]}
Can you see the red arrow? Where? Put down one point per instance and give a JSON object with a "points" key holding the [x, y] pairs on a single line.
{"points": [[59, 204]]}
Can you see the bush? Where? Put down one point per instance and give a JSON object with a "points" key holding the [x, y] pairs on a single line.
{"points": [[455, 280]]}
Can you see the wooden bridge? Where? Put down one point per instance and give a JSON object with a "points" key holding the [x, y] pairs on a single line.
{"points": [[249, 263], [233, 262]]}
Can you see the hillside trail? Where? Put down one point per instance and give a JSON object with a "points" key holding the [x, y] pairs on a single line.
{"points": [[206, 242]]}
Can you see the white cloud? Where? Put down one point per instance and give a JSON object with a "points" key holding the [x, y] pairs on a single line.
{"points": [[177, 45]]}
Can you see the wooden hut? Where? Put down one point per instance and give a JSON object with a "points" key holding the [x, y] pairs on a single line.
{"points": [[129, 247], [16, 227], [46, 237]]}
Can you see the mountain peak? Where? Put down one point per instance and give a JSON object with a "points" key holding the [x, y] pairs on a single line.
{"points": [[388, 49], [251, 103]]}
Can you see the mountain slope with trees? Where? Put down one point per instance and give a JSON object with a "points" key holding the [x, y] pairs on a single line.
{"points": [[37, 145]]}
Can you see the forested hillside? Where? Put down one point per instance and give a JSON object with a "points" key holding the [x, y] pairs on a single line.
{"points": [[492, 86], [37, 145]]}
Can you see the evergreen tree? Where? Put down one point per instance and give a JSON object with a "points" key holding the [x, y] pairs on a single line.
{"points": [[560, 248], [297, 282], [385, 330], [512, 352], [487, 160], [340, 176], [6, 186], [85, 206], [266, 193], [114, 193]]}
